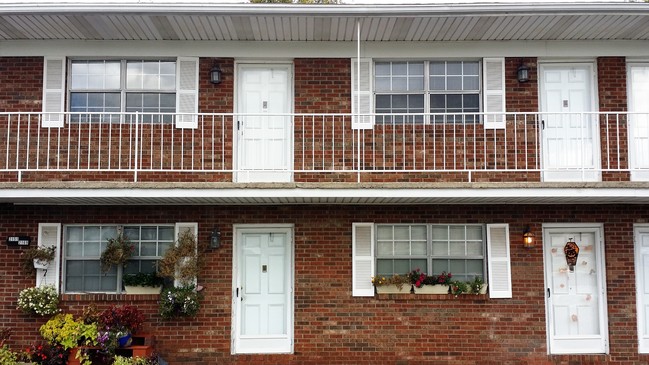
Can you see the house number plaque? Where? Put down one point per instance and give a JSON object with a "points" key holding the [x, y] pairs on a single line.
{"points": [[18, 240]]}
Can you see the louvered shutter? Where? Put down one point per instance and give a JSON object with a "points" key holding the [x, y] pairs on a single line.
{"points": [[184, 227], [362, 259], [53, 91], [494, 92], [49, 234], [362, 100], [500, 277], [187, 93]]}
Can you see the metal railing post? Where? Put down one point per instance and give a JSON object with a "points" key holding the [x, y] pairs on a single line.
{"points": [[137, 145]]}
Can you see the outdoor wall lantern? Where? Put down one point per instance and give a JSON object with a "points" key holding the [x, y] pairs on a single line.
{"points": [[523, 73], [215, 239], [215, 75], [528, 238]]}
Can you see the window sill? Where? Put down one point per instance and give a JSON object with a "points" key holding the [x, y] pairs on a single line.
{"points": [[103, 297], [429, 297]]}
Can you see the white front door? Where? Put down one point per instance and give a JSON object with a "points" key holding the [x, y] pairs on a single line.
{"points": [[575, 297], [570, 140], [639, 121], [642, 285], [264, 133], [263, 290]]}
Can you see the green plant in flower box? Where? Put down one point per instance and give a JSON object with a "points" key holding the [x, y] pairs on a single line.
{"points": [[398, 280]]}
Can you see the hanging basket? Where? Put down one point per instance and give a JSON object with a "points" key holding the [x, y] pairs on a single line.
{"points": [[41, 264]]}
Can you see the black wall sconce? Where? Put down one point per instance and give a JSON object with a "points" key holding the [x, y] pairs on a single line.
{"points": [[528, 238], [215, 239], [523, 73], [215, 75]]}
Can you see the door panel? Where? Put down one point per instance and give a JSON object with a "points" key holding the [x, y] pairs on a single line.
{"points": [[639, 121], [570, 141], [264, 135], [263, 296], [642, 286], [576, 308]]}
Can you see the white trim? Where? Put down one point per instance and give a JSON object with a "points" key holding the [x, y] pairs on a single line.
{"points": [[326, 49], [638, 229], [636, 174], [51, 276], [598, 230], [292, 195], [237, 230]]}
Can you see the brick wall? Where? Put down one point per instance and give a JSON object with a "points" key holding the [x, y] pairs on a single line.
{"points": [[333, 327], [321, 143], [21, 84]]}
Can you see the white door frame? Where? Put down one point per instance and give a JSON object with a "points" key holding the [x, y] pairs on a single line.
{"points": [[636, 175], [594, 97], [598, 230], [238, 230], [238, 64], [643, 342]]}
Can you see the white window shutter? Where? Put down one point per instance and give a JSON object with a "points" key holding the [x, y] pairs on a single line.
{"points": [[493, 73], [187, 92], [53, 91], [182, 227], [49, 234], [500, 276], [362, 259], [362, 99]]}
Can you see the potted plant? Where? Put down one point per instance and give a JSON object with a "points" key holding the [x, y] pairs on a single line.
{"points": [[179, 302], [69, 333], [38, 257], [459, 287], [478, 286], [117, 252], [143, 283], [44, 353], [42, 300], [116, 325], [182, 261], [430, 284], [392, 284]]}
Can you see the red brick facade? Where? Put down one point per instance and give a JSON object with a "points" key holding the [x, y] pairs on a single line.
{"points": [[333, 327], [320, 86]]}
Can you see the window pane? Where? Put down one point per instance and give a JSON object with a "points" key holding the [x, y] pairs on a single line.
{"points": [[457, 248], [419, 264], [474, 248], [471, 83], [439, 266], [149, 233], [384, 267], [457, 232], [402, 248], [440, 232], [382, 68], [454, 68], [418, 232], [148, 249], [474, 268], [474, 233], [454, 83], [419, 248], [440, 248], [384, 248], [91, 234], [91, 249], [401, 233], [75, 233], [166, 233], [401, 267]]}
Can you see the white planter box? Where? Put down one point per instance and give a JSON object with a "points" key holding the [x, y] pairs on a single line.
{"points": [[40, 264], [432, 289], [143, 289], [393, 289]]}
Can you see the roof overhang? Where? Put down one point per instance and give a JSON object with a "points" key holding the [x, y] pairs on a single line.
{"points": [[196, 21], [315, 193]]}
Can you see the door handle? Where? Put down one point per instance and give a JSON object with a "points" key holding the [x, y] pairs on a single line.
{"points": [[237, 292], [548, 292], [542, 124]]}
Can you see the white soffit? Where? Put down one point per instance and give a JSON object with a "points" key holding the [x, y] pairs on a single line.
{"points": [[292, 196], [192, 21]]}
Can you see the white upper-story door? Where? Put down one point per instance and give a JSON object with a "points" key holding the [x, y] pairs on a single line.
{"points": [[575, 295], [263, 123], [569, 133], [638, 76], [642, 285], [263, 290]]}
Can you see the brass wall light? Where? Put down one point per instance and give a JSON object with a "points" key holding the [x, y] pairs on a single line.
{"points": [[528, 238]]}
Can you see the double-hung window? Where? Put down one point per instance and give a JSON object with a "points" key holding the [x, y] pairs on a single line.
{"points": [[99, 88], [434, 91], [85, 243], [432, 248]]}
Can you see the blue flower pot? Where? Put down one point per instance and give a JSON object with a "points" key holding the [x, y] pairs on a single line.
{"points": [[124, 340]]}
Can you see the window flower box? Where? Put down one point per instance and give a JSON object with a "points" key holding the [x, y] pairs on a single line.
{"points": [[393, 289], [432, 289]]}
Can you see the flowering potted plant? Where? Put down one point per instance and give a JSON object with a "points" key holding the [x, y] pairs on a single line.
{"points": [[143, 283], [392, 284], [117, 252], [179, 302], [69, 333], [478, 286], [42, 300], [44, 353], [116, 325], [425, 284], [459, 287], [38, 257]]}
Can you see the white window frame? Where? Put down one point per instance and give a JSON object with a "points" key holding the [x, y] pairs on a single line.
{"points": [[120, 269], [427, 92]]}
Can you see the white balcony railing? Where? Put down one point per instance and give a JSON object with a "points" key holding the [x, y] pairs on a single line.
{"points": [[325, 147]]}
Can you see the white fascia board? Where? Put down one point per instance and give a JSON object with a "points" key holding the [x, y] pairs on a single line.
{"points": [[265, 50], [637, 196], [351, 10]]}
